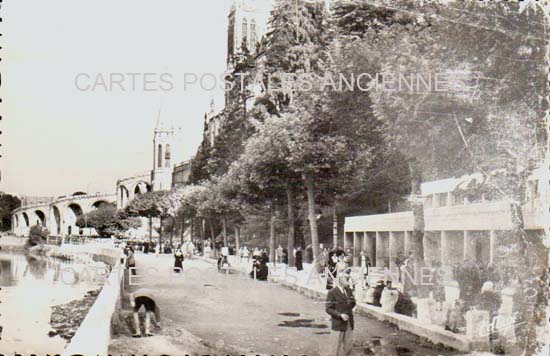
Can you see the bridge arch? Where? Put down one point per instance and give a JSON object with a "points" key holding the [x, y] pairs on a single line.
{"points": [[56, 221], [141, 187], [73, 211], [96, 204], [26, 219], [124, 195], [41, 217]]}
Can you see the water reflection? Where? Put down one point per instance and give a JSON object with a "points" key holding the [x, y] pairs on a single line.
{"points": [[30, 287]]}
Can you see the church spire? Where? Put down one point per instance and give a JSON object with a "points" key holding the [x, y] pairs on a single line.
{"points": [[212, 106]]}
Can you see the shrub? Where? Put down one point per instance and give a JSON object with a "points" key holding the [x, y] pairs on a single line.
{"points": [[38, 235]]}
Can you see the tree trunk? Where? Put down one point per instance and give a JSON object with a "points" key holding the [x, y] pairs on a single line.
{"points": [[237, 237], [334, 226], [272, 236], [531, 297], [224, 225], [418, 223], [203, 229], [212, 237], [291, 228], [191, 228], [173, 232], [310, 188], [150, 230], [182, 232], [160, 235]]}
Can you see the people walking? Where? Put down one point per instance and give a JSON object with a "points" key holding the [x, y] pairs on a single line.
{"points": [[130, 260], [245, 254], [178, 261], [298, 260], [339, 305], [279, 252]]}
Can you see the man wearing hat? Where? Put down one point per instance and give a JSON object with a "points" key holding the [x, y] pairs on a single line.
{"points": [[340, 304]]}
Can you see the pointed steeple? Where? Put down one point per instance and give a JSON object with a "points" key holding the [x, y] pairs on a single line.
{"points": [[163, 124], [212, 106]]}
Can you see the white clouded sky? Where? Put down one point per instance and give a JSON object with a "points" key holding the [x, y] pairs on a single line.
{"points": [[56, 139]]}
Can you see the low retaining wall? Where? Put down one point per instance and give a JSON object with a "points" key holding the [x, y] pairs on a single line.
{"points": [[94, 334], [433, 333]]}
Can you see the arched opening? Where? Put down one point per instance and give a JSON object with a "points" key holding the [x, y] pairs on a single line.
{"points": [[57, 220], [26, 218], [73, 212], [16, 220], [167, 156], [159, 156], [253, 38], [245, 33], [99, 203], [141, 188], [41, 217], [123, 196]]}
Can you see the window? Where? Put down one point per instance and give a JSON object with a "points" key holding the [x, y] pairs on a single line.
{"points": [[159, 156], [167, 156], [245, 33], [253, 39]]}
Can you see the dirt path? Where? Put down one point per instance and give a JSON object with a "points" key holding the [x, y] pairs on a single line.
{"points": [[234, 313]]}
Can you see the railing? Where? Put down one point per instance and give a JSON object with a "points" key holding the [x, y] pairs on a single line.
{"points": [[64, 199]]}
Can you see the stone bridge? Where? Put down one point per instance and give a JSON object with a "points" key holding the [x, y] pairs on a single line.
{"points": [[128, 188], [59, 215]]}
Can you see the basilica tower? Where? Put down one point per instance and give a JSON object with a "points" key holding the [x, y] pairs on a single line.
{"points": [[165, 148], [247, 24]]}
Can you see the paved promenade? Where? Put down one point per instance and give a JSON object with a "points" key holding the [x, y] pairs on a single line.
{"points": [[208, 312]]}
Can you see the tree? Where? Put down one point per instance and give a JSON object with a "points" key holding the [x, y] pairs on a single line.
{"points": [[488, 53], [107, 221], [38, 235], [157, 204], [8, 203]]}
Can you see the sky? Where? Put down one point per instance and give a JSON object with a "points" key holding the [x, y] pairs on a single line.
{"points": [[64, 128]]}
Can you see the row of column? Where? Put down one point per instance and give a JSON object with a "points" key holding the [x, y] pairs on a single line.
{"points": [[447, 247]]}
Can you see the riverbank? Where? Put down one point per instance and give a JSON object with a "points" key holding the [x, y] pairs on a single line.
{"points": [[66, 318], [13, 243]]}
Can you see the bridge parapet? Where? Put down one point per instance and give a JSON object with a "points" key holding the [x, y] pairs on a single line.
{"points": [[59, 215]]}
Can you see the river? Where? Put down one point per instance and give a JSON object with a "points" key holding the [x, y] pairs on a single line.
{"points": [[30, 286]]}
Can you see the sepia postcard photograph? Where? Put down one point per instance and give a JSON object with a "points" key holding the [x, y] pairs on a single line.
{"points": [[274, 177]]}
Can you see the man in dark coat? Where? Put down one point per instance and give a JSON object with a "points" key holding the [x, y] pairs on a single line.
{"points": [[298, 259], [340, 304]]}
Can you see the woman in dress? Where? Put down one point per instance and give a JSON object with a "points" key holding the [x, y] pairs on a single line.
{"points": [[299, 265], [178, 261]]}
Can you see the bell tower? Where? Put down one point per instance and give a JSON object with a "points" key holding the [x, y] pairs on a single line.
{"points": [[164, 145]]}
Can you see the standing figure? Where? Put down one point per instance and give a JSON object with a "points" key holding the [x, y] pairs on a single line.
{"points": [[178, 262], [190, 249], [285, 256], [143, 297], [299, 265], [331, 269], [279, 252], [130, 260], [339, 305]]}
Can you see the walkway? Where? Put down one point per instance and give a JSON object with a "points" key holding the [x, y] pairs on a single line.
{"points": [[233, 313]]}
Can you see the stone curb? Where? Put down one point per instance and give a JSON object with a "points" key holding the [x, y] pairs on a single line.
{"points": [[434, 334]]}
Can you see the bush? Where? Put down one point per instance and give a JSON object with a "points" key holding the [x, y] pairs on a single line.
{"points": [[38, 235]]}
